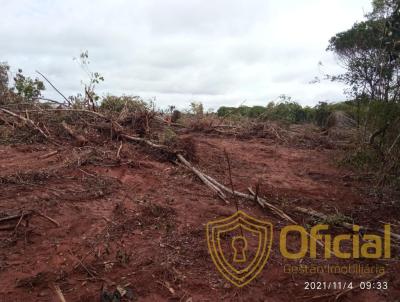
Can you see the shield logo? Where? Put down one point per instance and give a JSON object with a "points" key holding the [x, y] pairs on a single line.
{"points": [[239, 246]]}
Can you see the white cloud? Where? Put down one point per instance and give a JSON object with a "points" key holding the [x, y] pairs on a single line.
{"points": [[219, 52]]}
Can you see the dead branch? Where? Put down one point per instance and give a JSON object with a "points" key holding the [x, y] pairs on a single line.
{"points": [[88, 94], [48, 218], [225, 126], [276, 134], [140, 139], [15, 217], [203, 177], [26, 214], [74, 110], [159, 118], [80, 138], [218, 187], [91, 273], [230, 174], [50, 100], [6, 122], [27, 121], [394, 144], [19, 221], [47, 155], [256, 193], [59, 293], [87, 173], [119, 151], [45, 128], [58, 91], [346, 225], [261, 201]]}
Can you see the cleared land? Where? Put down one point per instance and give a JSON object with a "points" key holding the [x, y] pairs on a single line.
{"points": [[101, 215]]}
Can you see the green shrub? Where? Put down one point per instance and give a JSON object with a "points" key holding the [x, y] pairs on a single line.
{"points": [[29, 89], [225, 111], [257, 111], [322, 112], [361, 159], [118, 103], [285, 111]]}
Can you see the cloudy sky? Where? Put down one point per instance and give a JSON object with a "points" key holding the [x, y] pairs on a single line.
{"points": [[220, 52]]}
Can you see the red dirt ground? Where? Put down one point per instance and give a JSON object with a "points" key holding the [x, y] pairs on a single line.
{"points": [[141, 223]]}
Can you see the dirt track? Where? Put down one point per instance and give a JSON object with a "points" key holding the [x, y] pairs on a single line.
{"points": [[142, 224]]}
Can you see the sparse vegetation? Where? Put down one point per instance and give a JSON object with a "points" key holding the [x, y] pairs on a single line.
{"points": [[113, 103]]}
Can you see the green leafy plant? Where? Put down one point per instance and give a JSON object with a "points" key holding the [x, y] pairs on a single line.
{"points": [[29, 89]]}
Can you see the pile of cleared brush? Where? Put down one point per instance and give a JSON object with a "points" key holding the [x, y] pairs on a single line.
{"points": [[67, 124]]}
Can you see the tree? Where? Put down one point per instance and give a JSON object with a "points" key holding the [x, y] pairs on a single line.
{"points": [[196, 108], [224, 111], [369, 52], [28, 88], [4, 69]]}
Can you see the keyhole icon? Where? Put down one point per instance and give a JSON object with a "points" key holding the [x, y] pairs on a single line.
{"points": [[239, 245]]}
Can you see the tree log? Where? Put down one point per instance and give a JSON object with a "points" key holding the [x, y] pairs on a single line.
{"points": [[79, 138]]}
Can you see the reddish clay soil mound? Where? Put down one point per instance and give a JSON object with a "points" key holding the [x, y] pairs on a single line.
{"points": [[139, 222]]}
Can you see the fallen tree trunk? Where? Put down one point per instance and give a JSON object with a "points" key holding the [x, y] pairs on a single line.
{"points": [[78, 137], [261, 201], [211, 182], [203, 177], [219, 188]]}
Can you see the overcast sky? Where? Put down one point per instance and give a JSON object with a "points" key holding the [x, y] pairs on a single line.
{"points": [[219, 52]]}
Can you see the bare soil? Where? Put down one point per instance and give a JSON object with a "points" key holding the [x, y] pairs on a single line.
{"points": [[140, 222]]}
